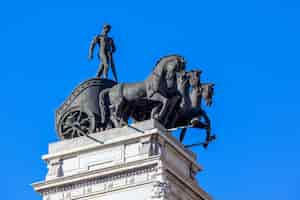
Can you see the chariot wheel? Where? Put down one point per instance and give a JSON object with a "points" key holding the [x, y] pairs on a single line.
{"points": [[76, 123]]}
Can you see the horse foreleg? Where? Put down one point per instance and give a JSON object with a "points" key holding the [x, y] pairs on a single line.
{"points": [[172, 121], [209, 136], [163, 107], [182, 134], [171, 114], [155, 110]]}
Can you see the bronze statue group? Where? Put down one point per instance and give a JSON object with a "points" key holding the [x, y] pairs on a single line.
{"points": [[170, 94]]}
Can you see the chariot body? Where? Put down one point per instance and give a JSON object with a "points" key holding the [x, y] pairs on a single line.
{"points": [[80, 114]]}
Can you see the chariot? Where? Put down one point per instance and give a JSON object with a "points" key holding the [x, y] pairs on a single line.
{"points": [[80, 114]]}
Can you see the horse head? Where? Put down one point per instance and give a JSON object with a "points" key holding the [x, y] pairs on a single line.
{"points": [[194, 78], [183, 81], [181, 63], [168, 67], [208, 92]]}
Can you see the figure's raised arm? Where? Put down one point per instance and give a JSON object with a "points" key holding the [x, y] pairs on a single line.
{"points": [[92, 46]]}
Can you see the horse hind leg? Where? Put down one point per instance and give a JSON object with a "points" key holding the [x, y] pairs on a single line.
{"points": [[124, 115], [119, 116]]}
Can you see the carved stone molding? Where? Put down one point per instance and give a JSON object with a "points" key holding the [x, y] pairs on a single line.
{"points": [[160, 190], [151, 146], [54, 169], [127, 178]]}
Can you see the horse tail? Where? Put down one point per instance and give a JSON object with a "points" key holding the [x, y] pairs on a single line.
{"points": [[103, 105]]}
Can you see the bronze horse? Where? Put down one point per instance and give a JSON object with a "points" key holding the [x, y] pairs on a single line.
{"points": [[190, 111], [158, 93]]}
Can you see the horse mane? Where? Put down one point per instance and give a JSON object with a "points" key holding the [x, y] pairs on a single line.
{"points": [[167, 56]]}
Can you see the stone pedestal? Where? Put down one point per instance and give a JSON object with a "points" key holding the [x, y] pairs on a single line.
{"points": [[140, 162]]}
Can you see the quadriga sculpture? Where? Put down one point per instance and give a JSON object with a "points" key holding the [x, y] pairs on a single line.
{"points": [[170, 95]]}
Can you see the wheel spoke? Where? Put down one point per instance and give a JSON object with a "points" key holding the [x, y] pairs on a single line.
{"points": [[79, 116], [66, 127], [85, 119], [69, 117], [73, 114], [76, 124], [75, 134], [85, 124], [81, 134], [68, 133], [85, 131]]}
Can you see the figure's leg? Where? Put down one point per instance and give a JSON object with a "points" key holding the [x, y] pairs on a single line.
{"points": [[100, 70], [105, 71], [104, 61], [113, 69]]}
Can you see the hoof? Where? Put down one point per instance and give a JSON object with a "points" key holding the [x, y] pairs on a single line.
{"points": [[157, 118], [194, 122], [205, 145], [212, 137]]}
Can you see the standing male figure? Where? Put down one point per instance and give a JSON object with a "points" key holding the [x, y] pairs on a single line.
{"points": [[106, 49]]}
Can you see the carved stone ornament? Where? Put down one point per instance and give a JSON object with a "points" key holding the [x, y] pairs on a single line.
{"points": [[55, 168], [160, 190]]}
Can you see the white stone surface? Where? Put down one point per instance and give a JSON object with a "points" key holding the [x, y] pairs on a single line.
{"points": [[142, 163]]}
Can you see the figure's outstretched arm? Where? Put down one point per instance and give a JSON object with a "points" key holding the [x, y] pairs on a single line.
{"points": [[92, 46]]}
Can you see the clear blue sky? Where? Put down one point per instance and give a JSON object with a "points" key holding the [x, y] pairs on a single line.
{"points": [[249, 48]]}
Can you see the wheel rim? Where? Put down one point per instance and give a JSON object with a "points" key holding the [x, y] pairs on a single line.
{"points": [[75, 124]]}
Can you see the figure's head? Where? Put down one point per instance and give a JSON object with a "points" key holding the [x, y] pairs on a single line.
{"points": [[106, 28]]}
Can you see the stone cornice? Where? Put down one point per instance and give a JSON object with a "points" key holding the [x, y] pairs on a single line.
{"points": [[117, 169], [163, 133]]}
